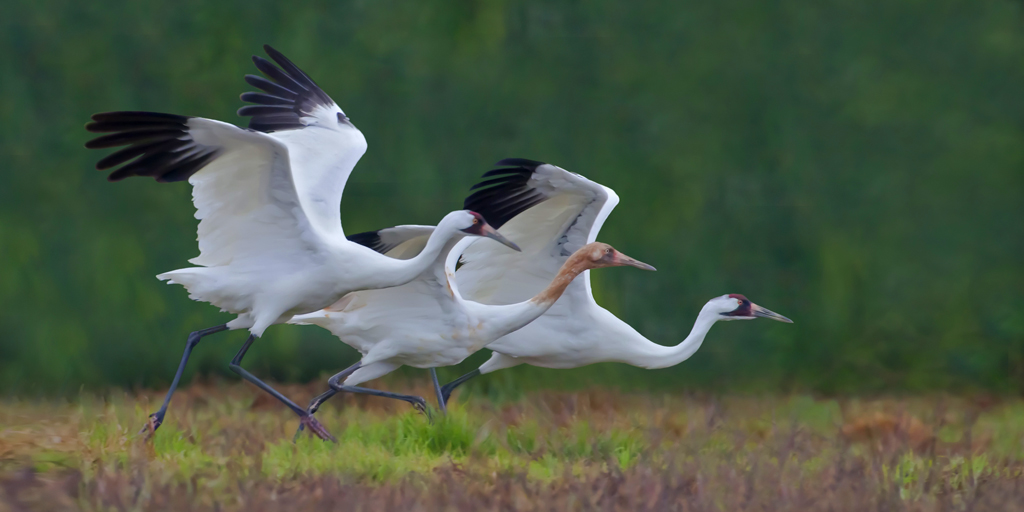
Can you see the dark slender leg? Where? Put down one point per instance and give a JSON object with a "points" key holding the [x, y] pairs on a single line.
{"points": [[304, 417], [314, 405], [316, 402], [417, 401], [157, 418], [335, 382], [446, 390], [437, 391]]}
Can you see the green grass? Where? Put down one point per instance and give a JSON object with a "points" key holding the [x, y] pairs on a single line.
{"points": [[919, 453]]}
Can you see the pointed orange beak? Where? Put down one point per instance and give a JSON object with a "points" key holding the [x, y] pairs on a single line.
{"points": [[623, 260]]}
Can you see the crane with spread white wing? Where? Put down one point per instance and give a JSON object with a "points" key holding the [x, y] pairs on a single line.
{"points": [[268, 202], [551, 213], [426, 323]]}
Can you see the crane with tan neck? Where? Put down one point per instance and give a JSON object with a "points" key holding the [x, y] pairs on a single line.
{"points": [[550, 212], [271, 243], [427, 323]]}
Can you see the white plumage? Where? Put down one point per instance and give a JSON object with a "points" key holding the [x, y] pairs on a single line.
{"points": [[551, 212], [270, 236], [426, 323], [263, 254], [566, 213], [271, 244], [576, 331]]}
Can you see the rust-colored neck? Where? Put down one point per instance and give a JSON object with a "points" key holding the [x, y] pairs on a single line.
{"points": [[570, 269]]}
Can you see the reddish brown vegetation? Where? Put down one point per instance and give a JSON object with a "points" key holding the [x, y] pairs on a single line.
{"points": [[850, 486], [697, 454], [888, 431]]}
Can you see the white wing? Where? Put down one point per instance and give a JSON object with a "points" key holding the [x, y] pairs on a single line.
{"points": [[401, 242], [323, 144], [243, 190], [549, 212]]}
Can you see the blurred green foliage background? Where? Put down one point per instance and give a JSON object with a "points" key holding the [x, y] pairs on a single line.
{"points": [[855, 165]]}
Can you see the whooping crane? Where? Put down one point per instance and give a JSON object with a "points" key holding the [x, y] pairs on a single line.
{"points": [[426, 323], [268, 200], [559, 211], [552, 212]]}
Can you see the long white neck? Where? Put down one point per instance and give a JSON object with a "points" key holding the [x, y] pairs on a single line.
{"points": [[647, 354], [399, 272]]}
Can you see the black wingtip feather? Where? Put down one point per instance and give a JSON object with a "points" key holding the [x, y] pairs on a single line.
{"points": [[138, 115], [132, 136], [506, 193], [158, 145], [264, 110], [532, 165], [270, 87], [493, 181], [126, 154], [285, 86], [369, 239], [185, 169], [264, 99], [298, 74], [495, 172]]}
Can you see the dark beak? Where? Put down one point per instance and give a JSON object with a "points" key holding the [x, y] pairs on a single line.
{"points": [[767, 313], [492, 233], [622, 259]]}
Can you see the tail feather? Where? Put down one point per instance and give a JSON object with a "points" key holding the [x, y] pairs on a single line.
{"points": [[316, 318], [207, 285]]}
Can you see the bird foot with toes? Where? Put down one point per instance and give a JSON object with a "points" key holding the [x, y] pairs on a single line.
{"points": [[421, 407], [149, 429], [315, 428]]}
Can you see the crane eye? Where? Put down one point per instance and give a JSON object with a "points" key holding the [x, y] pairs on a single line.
{"points": [[608, 250], [476, 220]]}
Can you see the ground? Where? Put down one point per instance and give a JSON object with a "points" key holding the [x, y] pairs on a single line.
{"points": [[224, 448]]}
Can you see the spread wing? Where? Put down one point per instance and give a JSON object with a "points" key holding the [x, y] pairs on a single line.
{"points": [[323, 144], [243, 190], [401, 242], [549, 212]]}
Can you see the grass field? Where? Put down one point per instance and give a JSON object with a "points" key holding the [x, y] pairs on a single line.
{"points": [[225, 448]]}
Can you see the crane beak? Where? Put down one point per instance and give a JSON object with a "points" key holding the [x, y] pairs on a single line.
{"points": [[623, 260], [490, 232], [761, 312]]}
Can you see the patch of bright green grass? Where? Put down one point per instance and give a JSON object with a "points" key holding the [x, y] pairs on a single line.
{"points": [[384, 448]]}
